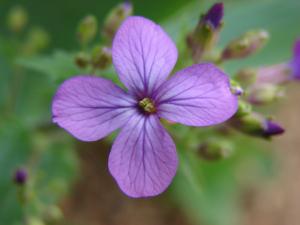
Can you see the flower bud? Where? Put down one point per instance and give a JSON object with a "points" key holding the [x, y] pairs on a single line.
{"points": [[264, 93], [205, 35], [101, 57], [20, 176], [37, 40], [255, 124], [17, 19], [275, 74], [215, 150], [87, 29], [245, 45], [35, 221], [246, 76], [82, 60], [244, 109], [214, 16], [53, 214], [272, 128], [114, 19]]}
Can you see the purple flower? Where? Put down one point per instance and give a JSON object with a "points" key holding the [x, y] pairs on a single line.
{"points": [[143, 158], [295, 62]]}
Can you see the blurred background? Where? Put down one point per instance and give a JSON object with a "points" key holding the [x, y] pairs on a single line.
{"points": [[67, 181]]}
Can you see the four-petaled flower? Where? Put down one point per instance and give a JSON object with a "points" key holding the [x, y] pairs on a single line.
{"points": [[143, 158]]}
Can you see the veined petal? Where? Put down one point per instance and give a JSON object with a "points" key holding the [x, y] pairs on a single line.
{"points": [[143, 158], [197, 96], [91, 107], [143, 55]]}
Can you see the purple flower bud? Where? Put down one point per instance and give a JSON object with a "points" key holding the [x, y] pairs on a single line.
{"points": [[214, 15], [272, 128], [20, 176], [255, 124], [295, 62]]}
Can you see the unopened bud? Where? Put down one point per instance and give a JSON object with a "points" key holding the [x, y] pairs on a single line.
{"points": [[276, 74], [17, 19], [215, 150], [53, 214], [244, 109], [246, 76], [101, 57], [20, 176], [35, 221], [87, 29], [264, 93], [114, 19], [37, 40], [82, 60], [205, 35], [255, 124], [246, 45], [214, 15], [272, 128]]}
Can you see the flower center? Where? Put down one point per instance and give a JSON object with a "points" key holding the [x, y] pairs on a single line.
{"points": [[147, 105]]}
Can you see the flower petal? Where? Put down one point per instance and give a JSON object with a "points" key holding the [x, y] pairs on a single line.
{"points": [[295, 63], [197, 96], [91, 107], [143, 158], [143, 55]]}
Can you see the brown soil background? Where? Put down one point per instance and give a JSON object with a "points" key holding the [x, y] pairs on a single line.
{"points": [[96, 200]]}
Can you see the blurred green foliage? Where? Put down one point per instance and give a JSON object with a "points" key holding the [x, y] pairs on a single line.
{"points": [[208, 191]]}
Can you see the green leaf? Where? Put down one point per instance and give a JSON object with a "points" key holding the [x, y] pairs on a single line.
{"points": [[58, 66]]}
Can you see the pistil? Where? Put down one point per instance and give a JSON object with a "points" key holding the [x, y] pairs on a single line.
{"points": [[147, 105]]}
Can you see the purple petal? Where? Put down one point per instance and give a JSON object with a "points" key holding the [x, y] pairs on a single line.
{"points": [[143, 158], [143, 55], [197, 96], [295, 63], [91, 107]]}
